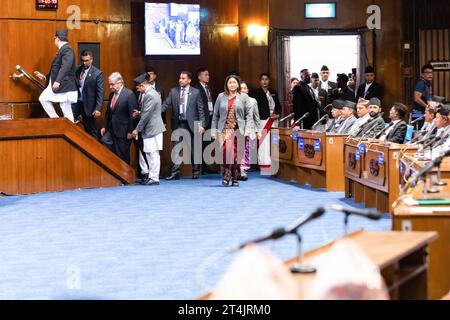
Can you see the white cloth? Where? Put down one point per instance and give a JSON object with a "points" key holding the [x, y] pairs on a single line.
{"points": [[154, 143], [316, 92], [49, 95], [324, 85], [65, 100], [154, 163], [264, 155], [271, 102], [367, 88]]}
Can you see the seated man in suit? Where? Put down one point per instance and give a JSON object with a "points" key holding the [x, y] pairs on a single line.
{"points": [[376, 123], [396, 131], [370, 89], [334, 124], [429, 126], [362, 111], [441, 142], [348, 113], [118, 126]]}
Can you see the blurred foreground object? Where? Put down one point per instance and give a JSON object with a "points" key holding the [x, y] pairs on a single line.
{"points": [[256, 274]]}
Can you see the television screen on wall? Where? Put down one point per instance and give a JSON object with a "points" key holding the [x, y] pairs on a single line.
{"points": [[46, 4], [172, 29]]}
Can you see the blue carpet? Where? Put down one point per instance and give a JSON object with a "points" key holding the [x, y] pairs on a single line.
{"points": [[140, 242]]}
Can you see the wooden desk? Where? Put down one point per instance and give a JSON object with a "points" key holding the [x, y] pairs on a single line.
{"points": [[429, 218], [372, 173], [409, 165], [401, 257], [311, 157]]}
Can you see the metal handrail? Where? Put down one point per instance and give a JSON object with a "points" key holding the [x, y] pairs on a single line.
{"points": [[21, 72]]}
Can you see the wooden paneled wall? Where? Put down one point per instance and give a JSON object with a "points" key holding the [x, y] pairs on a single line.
{"points": [[434, 45], [26, 38]]}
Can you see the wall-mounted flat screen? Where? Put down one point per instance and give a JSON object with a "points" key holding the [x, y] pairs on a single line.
{"points": [[172, 29]]}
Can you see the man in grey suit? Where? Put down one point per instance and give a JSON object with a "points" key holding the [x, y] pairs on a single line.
{"points": [[61, 83], [348, 113], [334, 124], [90, 98], [187, 113], [151, 128], [375, 123]]}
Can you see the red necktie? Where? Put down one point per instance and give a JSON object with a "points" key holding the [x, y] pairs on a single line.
{"points": [[114, 100]]}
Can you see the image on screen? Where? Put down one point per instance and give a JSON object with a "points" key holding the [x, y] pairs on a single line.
{"points": [[172, 29]]}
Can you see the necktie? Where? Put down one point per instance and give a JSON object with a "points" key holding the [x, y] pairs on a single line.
{"points": [[208, 94], [114, 100], [182, 105], [83, 74]]}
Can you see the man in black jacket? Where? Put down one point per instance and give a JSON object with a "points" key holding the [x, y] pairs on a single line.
{"points": [[60, 81], [304, 101], [90, 96], [396, 131], [117, 130], [269, 109], [370, 89]]}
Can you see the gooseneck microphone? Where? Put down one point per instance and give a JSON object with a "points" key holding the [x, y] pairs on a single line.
{"points": [[325, 117], [417, 120], [306, 115], [366, 213], [287, 117], [281, 232]]}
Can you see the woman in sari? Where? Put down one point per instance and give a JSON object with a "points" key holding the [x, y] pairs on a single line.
{"points": [[231, 121]]}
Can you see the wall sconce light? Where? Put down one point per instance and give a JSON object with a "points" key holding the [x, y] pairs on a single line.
{"points": [[257, 35], [229, 30]]}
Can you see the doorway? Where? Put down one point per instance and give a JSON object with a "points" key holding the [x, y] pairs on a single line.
{"points": [[339, 51]]}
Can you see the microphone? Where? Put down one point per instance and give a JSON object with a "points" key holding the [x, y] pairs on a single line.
{"points": [[366, 213], [379, 134], [432, 141], [372, 126], [281, 232], [306, 115], [287, 117], [325, 117], [417, 120], [302, 221]]}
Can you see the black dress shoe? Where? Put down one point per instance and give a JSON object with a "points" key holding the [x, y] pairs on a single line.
{"points": [[151, 182], [173, 177]]}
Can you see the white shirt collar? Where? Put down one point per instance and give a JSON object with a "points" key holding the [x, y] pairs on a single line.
{"points": [[60, 45]]}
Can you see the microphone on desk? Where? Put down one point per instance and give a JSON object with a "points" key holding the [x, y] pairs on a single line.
{"points": [[287, 117], [417, 120], [306, 115], [325, 117], [371, 127], [382, 131], [430, 142], [366, 213], [281, 232]]}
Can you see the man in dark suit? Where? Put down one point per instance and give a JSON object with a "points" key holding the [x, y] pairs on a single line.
{"points": [[90, 96], [303, 100], [326, 84], [370, 89], [396, 131], [60, 81], [118, 126], [188, 114], [320, 94], [208, 106]]}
